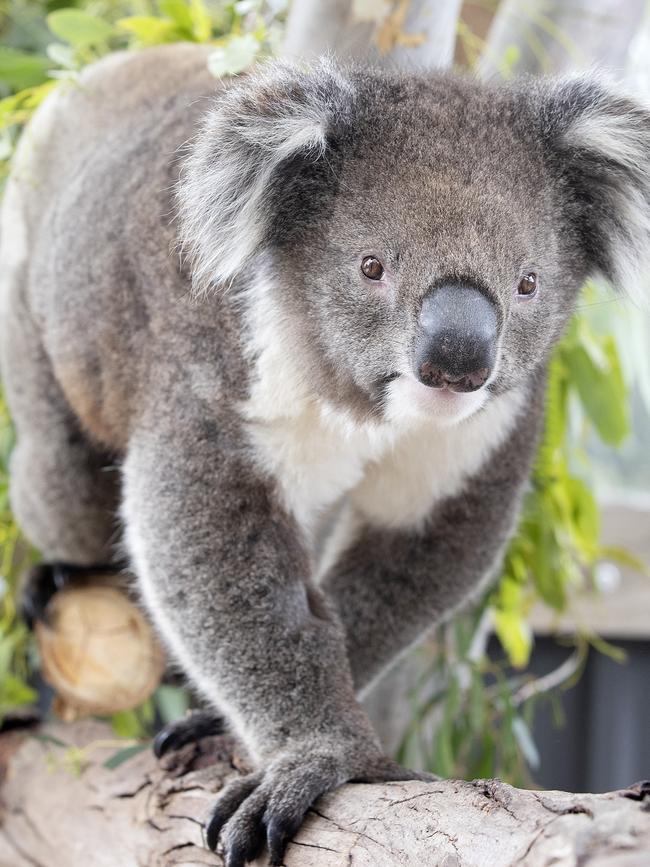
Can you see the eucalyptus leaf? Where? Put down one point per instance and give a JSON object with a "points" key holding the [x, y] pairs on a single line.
{"points": [[172, 702], [50, 739], [202, 22], [62, 55], [20, 69], [515, 636], [443, 752], [124, 755], [236, 55], [179, 12], [623, 558], [78, 28], [126, 724], [477, 703], [618, 654], [148, 30], [602, 391], [585, 517], [14, 692], [548, 579], [526, 743]]}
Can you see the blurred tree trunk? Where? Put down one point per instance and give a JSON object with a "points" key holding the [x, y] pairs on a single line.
{"points": [[559, 35], [317, 27], [418, 33]]}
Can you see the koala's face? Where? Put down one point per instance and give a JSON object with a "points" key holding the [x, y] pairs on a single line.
{"points": [[428, 235], [438, 274]]}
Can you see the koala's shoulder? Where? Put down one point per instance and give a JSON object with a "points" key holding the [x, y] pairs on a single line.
{"points": [[126, 80]]}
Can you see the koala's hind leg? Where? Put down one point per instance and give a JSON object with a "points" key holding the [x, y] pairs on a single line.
{"points": [[63, 492]]}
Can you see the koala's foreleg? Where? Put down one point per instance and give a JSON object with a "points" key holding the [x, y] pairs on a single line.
{"points": [[224, 572], [391, 586]]}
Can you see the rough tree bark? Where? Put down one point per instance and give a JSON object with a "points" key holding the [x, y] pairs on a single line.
{"points": [[141, 815]]}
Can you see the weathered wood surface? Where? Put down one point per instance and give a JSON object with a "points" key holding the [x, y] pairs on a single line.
{"points": [[143, 815]]}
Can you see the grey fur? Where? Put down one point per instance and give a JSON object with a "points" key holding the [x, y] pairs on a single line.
{"points": [[111, 353]]}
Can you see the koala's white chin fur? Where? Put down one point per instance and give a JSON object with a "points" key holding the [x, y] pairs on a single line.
{"points": [[408, 398]]}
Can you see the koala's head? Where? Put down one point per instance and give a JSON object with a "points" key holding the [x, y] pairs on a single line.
{"points": [[425, 235]]}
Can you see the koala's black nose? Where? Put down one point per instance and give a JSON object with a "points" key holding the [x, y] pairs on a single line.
{"points": [[457, 342]]}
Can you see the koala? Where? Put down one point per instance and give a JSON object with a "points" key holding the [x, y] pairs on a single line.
{"points": [[283, 340]]}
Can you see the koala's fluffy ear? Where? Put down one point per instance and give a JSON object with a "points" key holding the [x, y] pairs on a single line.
{"points": [[270, 117], [602, 139]]}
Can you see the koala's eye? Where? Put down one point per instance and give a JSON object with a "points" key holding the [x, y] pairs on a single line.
{"points": [[527, 285], [372, 268]]}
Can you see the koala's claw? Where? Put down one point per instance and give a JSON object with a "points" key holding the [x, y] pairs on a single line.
{"points": [[269, 806], [188, 730], [251, 833]]}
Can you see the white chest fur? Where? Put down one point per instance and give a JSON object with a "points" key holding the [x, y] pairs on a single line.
{"points": [[392, 475]]}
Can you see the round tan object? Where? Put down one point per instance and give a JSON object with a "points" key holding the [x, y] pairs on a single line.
{"points": [[98, 651]]}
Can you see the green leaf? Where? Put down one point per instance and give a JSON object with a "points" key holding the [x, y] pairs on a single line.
{"points": [[555, 420], [585, 517], [179, 12], [623, 558], [17, 109], [124, 755], [510, 59], [547, 577], [525, 742], [557, 709], [201, 21], [62, 55], [14, 692], [515, 636], [172, 702], [452, 698], [79, 28], [477, 703], [599, 382], [236, 55], [443, 753], [149, 31], [50, 739], [126, 724], [618, 654], [19, 69], [486, 767]]}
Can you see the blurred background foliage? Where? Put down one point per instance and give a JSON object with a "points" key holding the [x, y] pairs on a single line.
{"points": [[42, 43], [471, 713]]}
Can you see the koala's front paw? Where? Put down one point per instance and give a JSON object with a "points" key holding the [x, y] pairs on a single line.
{"points": [[188, 730], [268, 807]]}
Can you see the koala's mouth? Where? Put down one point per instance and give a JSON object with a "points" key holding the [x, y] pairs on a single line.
{"points": [[405, 397]]}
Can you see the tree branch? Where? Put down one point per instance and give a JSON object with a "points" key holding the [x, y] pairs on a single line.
{"points": [[143, 815]]}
